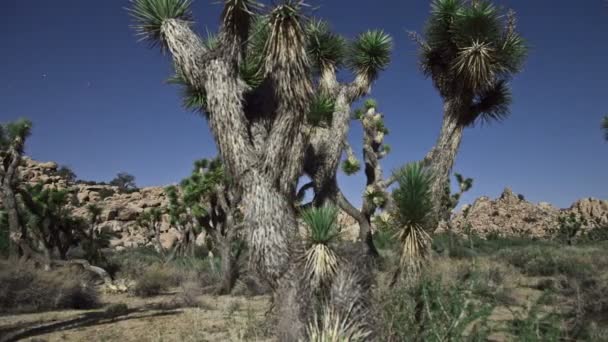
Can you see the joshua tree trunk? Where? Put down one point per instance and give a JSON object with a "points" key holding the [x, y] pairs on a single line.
{"points": [[9, 201], [327, 143], [440, 159], [267, 181]]}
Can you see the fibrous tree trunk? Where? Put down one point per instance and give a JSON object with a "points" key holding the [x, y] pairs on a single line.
{"points": [[440, 159], [267, 180], [8, 176]]}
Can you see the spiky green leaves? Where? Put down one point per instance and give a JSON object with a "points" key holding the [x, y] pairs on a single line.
{"points": [[149, 16], [369, 104], [321, 110], [491, 104], [14, 134], [371, 53], [324, 47], [321, 261], [414, 209], [465, 184], [470, 46], [351, 165], [413, 195], [322, 224], [605, 126]]}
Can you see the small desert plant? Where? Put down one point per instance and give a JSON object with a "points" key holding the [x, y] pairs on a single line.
{"points": [[321, 260], [428, 310], [569, 227], [152, 283], [23, 288], [537, 326], [413, 214]]}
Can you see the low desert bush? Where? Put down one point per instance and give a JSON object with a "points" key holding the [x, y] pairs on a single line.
{"points": [[136, 263], [153, 282], [24, 288], [430, 310]]}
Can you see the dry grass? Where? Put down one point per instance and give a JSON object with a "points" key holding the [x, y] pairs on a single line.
{"points": [[24, 288]]}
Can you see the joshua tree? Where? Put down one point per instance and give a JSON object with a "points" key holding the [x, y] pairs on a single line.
{"points": [[374, 149], [605, 126], [12, 143], [124, 181], [182, 220], [450, 201], [255, 84], [151, 220], [50, 231], [367, 55], [413, 209], [211, 201], [470, 51]]}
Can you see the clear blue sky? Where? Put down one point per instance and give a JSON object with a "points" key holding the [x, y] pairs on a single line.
{"points": [[99, 103]]}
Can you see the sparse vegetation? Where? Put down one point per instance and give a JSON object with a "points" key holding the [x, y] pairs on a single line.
{"points": [[124, 181], [232, 252], [25, 288]]}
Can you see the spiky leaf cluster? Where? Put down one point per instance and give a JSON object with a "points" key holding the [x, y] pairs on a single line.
{"points": [[470, 51], [370, 53], [413, 195], [322, 224], [149, 16], [413, 214], [321, 262], [202, 184], [14, 134], [350, 166], [605, 126], [324, 47], [321, 110]]}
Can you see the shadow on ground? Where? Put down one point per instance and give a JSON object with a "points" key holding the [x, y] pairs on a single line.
{"points": [[25, 330]]}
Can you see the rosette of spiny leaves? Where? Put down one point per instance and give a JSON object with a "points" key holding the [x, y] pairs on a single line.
{"points": [[470, 51], [321, 261], [413, 215]]}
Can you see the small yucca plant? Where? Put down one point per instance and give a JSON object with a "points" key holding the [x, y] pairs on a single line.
{"points": [[413, 215], [321, 260], [336, 327]]}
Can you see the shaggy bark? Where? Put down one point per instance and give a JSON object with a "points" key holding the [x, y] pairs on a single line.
{"points": [[8, 176], [440, 159], [267, 181], [328, 143]]}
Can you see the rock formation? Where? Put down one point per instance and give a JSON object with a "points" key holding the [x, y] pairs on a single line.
{"points": [[512, 215], [508, 215]]}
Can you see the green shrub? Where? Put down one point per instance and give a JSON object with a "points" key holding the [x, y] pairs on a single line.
{"points": [[430, 311], [539, 261], [152, 283], [536, 326], [23, 288]]}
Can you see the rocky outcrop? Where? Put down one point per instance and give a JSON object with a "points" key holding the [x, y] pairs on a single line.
{"points": [[512, 215], [508, 215], [120, 210]]}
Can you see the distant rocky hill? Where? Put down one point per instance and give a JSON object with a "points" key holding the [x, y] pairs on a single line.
{"points": [[119, 210], [512, 215], [507, 215]]}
